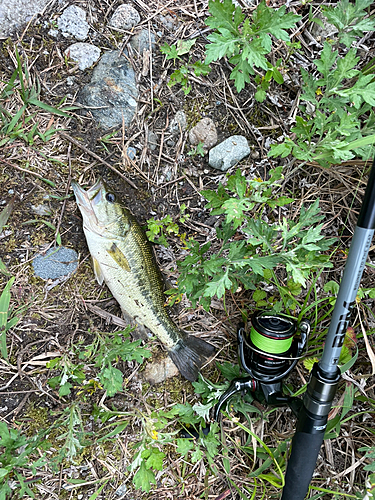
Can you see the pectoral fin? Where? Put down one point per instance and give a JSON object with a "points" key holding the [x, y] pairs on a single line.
{"points": [[119, 257], [98, 272]]}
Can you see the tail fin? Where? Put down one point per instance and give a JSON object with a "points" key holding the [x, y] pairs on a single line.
{"points": [[189, 355]]}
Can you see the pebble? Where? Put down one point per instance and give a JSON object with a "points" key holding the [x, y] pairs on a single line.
{"points": [[229, 152], [125, 17], [14, 13], [178, 123], [121, 490], [159, 371], [41, 209], [57, 262], [141, 41], [204, 131], [112, 93], [152, 141], [85, 54], [131, 152], [73, 22]]}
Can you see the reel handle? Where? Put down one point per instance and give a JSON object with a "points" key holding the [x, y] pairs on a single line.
{"points": [[237, 385]]}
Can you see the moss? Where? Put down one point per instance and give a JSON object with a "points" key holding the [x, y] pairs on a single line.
{"points": [[39, 419]]}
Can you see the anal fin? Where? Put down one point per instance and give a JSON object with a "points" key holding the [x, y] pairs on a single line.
{"points": [[97, 271]]}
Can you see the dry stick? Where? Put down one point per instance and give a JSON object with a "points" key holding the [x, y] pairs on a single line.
{"points": [[66, 193], [94, 155]]}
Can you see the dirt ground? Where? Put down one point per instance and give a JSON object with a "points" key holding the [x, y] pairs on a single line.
{"points": [[56, 318]]}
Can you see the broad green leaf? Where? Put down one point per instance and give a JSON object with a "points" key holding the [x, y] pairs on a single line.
{"points": [[112, 379], [144, 478]]}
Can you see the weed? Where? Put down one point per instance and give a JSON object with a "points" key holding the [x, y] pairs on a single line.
{"points": [[105, 351], [181, 75], [7, 319], [252, 247], [245, 41], [158, 230], [17, 462], [334, 133], [20, 125], [349, 19], [197, 150]]}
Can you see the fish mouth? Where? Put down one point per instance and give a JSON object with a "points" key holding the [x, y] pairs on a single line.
{"points": [[87, 200], [91, 197]]}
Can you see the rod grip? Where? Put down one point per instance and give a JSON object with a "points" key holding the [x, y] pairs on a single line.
{"points": [[301, 465]]}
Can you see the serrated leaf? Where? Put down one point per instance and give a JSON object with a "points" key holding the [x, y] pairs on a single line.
{"points": [[111, 379], [184, 46], [184, 446], [155, 459], [144, 478]]}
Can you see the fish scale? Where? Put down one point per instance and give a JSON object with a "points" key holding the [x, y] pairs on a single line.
{"points": [[123, 258]]}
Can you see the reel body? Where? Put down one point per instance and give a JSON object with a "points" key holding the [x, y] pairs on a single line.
{"points": [[268, 353]]}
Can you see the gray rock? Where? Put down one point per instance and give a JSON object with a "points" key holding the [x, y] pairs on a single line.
{"points": [[229, 152], [57, 262], [320, 33], [41, 209], [15, 13], [111, 95], [73, 22], [159, 371], [131, 152], [121, 490], [85, 54], [178, 123], [152, 141], [141, 41], [125, 17], [204, 131]]}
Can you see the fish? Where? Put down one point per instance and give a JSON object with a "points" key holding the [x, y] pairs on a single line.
{"points": [[123, 258]]}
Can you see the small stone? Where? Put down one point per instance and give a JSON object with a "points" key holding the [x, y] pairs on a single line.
{"points": [[131, 152], [57, 262], [178, 123], [85, 54], [204, 131], [159, 371], [41, 210], [73, 22], [141, 41], [111, 95], [229, 152], [125, 17], [121, 490], [152, 141]]}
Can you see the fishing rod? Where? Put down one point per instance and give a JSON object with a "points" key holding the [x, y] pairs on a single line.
{"points": [[274, 344], [325, 375]]}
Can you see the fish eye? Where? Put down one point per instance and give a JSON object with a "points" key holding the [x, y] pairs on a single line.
{"points": [[110, 197]]}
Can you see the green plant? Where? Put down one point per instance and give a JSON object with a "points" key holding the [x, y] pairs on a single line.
{"points": [[246, 41], [181, 74], [158, 230], [109, 348], [106, 350], [349, 19], [197, 150], [251, 247], [70, 374], [335, 132], [7, 319], [20, 125], [17, 462], [264, 81]]}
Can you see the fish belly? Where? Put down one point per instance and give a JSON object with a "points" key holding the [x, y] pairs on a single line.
{"points": [[138, 290]]}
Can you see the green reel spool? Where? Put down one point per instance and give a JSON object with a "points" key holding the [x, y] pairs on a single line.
{"points": [[271, 345]]}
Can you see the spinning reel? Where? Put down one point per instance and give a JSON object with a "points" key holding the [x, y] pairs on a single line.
{"points": [[268, 353]]}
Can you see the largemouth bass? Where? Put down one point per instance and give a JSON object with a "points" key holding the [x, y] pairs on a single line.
{"points": [[123, 259]]}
